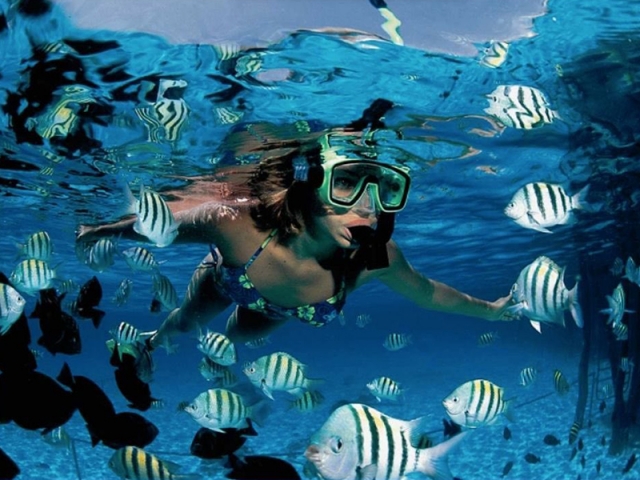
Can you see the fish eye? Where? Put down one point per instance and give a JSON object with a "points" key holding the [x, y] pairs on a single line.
{"points": [[336, 445], [455, 399]]}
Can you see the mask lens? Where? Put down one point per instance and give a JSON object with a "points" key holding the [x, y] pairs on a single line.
{"points": [[349, 181]]}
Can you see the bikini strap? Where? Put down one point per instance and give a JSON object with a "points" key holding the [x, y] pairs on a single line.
{"points": [[262, 246]]}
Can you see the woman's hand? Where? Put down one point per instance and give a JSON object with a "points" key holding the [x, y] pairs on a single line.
{"points": [[501, 310]]}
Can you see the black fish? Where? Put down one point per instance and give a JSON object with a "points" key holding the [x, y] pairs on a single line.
{"points": [[531, 458], [603, 441], [156, 306], [506, 433], [129, 384], [209, 444], [88, 299], [507, 468], [35, 401], [60, 332], [551, 440], [580, 444], [598, 467], [602, 406], [451, 429], [126, 428], [8, 468], [259, 467], [630, 463], [93, 404]]}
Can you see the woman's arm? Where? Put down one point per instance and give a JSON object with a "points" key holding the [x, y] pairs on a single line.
{"points": [[196, 225], [401, 277]]}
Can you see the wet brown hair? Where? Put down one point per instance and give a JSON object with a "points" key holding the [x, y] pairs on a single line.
{"points": [[284, 203]]}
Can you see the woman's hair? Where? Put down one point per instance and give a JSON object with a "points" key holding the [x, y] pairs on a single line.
{"points": [[283, 202]]}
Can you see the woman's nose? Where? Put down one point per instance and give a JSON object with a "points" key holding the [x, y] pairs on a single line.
{"points": [[366, 205]]}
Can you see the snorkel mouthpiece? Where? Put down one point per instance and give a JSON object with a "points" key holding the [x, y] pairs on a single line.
{"points": [[372, 250]]}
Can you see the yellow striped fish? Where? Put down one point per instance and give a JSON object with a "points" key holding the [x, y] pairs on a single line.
{"points": [[358, 441], [308, 401], [574, 431], [539, 205], [139, 258], [32, 275], [62, 118], [385, 388], [166, 117], [560, 382], [396, 341], [520, 107], [528, 375], [154, 219], [217, 347], [135, 464], [38, 246], [218, 408], [495, 54], [487, 339], [476, 403], [164, 291], [278, 371]]}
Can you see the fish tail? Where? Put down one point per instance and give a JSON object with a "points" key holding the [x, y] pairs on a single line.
{"points": [[574, 305], [258, 413], [508, 410], [433, 461], [579, 200], [313, 383]]}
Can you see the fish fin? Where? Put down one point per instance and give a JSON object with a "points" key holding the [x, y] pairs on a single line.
{"points": [[508, 410], [65, 377], [536, 326], [266, 390], [312, 383], [368, 472], [258, 413], [433, 461], [131, 201], [574, 306], [579, 200], [417, 428], [535, 220]]}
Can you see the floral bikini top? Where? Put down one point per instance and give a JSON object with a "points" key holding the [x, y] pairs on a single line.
{"points": [[236, 284]]}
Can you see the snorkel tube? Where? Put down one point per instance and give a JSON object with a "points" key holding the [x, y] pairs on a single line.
{"points": [[372, 251]]}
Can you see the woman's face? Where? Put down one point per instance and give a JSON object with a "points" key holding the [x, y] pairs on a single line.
{"points": [[337, 221]]}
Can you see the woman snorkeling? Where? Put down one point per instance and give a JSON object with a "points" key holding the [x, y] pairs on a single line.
{"points": [[294, 235]]}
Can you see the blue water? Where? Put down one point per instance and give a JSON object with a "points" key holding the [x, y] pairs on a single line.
{"points": [[582, 54]]}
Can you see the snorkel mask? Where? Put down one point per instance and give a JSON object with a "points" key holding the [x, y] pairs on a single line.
{"points": [[347, 174]]}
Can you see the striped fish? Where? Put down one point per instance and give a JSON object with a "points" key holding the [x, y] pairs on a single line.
{"points": [[308, 401], [258, 342], [219, 408], [618, 266], [528, 376], [363, 320], [560, 382], [166, 118], [487, 339], [164, 291], [38, 246], [574, 431], [541, 295], [140, 259], [538, 206], [32, 275], [122, 293], [217, 347], [210, 370], [385, 388], [134, 463], [476, 403], [61, 118], [228, 379], [616, 308], [127, 337], [358, 442], [396, 341], [631, 271], [58, 437], [11, 307], [495, 54], [101, 255], [154, 218], [519, 106], [278, 371]]}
